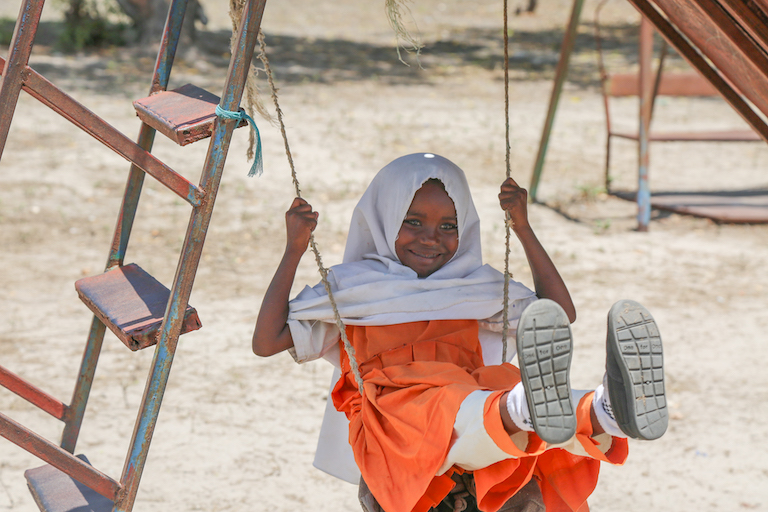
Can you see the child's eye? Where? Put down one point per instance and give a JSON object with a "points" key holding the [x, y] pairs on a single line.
{"points": [[412, 222], [449, 226]]}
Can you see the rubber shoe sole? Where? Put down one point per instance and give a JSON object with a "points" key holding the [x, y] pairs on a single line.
{"points": [[544, 348], [635, 368]]}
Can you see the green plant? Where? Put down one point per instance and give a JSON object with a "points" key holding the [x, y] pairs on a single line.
{"points": [[6, 30], [85, 26], [589, 193]]}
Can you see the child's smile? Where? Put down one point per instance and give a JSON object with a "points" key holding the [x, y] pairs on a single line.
{"points": [[429, 236]]}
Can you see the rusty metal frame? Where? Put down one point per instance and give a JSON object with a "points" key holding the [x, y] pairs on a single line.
{"points": [[721, 81], [17, 75], [725, 40], [66, 106]]}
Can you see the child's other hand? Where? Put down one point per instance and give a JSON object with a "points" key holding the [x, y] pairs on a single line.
{"points": [[514, 201], [300, 222]]}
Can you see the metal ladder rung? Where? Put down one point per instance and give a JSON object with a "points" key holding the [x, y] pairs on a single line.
{"points": [[55, 491], [132, 304], [184, 115]]}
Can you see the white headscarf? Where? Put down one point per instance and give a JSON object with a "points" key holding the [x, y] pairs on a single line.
{"points": [[379, 215], [372, 287]]}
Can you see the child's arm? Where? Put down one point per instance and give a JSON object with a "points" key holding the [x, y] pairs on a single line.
{"points": [[546, 278], [272, 334]]}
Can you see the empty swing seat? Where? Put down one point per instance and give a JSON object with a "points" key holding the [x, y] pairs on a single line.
{"points": [[132, 304], [55, 491], [184, 115]]}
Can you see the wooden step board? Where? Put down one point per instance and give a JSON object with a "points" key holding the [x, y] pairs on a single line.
{"points": [[132, 304], [184, 115], [55, 491]]}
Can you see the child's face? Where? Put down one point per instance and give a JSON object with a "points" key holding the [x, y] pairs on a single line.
{"points": [[429, 236]]}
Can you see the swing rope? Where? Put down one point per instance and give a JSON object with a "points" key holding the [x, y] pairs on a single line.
{"points": [[348, 348], [508, 221]]}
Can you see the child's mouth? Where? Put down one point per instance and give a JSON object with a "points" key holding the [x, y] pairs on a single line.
{"points": [[426, 256]]}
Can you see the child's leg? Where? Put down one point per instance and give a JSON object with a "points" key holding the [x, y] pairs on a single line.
{"points": [[544, 351], [634, 373]]}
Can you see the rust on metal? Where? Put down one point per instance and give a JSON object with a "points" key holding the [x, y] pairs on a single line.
{"points": [[57, 457], [66, 106], [725, 43], [150, 313], [184, 115], [32, 394], [18, 58], [671, 84], [132, 304], [82, 391], [692, 55]]}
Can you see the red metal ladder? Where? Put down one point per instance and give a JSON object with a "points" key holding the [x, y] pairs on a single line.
{"points": [[141, 311]]}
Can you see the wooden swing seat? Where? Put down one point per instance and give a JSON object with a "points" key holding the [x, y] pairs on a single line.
{"points": [[55, 491], [184, 115], [132, 304]]}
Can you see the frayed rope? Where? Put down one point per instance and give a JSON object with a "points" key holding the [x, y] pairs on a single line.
{"points": [[258, 165]]}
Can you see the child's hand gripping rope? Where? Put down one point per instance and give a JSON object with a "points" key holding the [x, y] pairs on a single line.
{"points": [[300, 222]]}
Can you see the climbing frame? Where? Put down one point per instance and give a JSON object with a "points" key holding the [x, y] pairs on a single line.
{"points": [[141, 311]]}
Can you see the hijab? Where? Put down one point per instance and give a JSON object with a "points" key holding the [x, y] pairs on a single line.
{"points": [[372, 287]]}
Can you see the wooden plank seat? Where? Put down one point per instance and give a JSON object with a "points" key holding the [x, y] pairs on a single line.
{"points": [[55, 491], [132, 304], [184, 115]]}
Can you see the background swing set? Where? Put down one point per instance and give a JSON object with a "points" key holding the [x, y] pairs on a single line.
{"points": [[137, 308]]}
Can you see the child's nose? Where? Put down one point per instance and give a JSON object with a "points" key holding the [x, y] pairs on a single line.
{"points": [[430, 236]]}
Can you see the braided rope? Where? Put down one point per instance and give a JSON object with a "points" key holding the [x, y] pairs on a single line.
{"points": [[253, 103], [350, 350], [507, 224]]}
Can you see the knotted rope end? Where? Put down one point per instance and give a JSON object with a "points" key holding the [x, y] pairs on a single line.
{"points": [[257, 168]]}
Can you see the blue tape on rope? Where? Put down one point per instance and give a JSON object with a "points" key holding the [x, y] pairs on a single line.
{"points": [[258, 166]]}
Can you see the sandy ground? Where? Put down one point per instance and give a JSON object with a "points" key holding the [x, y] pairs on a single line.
{"points": [[237, 432]]}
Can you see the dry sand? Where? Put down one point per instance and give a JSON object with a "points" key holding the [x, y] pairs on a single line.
{"points": [[237, 432]]}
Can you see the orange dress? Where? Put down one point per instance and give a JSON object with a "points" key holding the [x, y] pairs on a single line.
{"points": [[416, 376]]}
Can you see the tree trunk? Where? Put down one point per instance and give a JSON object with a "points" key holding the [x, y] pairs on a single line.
{"points": [[149, 17]]}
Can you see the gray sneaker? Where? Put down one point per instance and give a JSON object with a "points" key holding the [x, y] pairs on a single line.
{"points": [[635, 367], [544, 352]]}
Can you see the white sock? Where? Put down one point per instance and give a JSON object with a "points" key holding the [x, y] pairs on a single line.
{"points": [[604, 412], [517, 407]]}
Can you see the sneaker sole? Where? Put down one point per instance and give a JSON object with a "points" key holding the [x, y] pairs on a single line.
{"points": [[544, 348], [635, 367]]}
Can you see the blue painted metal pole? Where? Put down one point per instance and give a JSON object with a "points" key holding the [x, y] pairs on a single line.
{"points": [[76, 410], [646, 103], [190, 256], [569, 40], [18, 58]]}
